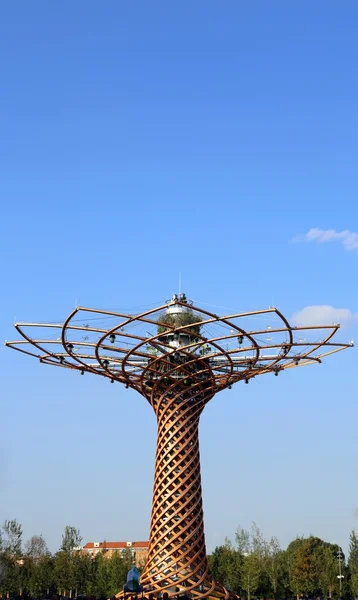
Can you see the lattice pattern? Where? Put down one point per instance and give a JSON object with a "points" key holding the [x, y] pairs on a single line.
{"points": [[178, 369], [177, 555]]}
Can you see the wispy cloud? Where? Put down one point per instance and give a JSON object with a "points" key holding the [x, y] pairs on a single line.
{"points": [[324, 315], [348, 239]]}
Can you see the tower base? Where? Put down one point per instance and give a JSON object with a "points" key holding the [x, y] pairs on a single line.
{"points": [[208, 589]]}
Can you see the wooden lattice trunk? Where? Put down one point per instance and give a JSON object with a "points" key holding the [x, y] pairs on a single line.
{"points": [[177, 554]]}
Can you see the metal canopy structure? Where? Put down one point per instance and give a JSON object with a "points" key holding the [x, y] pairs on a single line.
{"points": [[178, 356]]}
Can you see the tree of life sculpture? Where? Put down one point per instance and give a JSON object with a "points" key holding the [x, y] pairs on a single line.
{"points": [[178, 356]]}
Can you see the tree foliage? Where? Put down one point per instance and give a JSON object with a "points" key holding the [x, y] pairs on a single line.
{"points": [[302, 568], [35, 572], [275, 565], [353, 562], [327, 569], [225, 565], [11, 538], [71, 539], [250, 566], [307, 568], [36, 547], [179, 319]]}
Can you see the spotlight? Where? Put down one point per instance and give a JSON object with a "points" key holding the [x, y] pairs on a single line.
{"points": [[82, 372], [112, 380], [240, 339], [105, 363], [62, 360], [246, 381], [70, 347], [126, 386], [112, 338]]}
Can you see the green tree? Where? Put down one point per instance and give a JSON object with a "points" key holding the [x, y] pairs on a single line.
{"points": [[82, 571], [102, 576], [225, 566], [242, 540], [259, 547], [118, 567], [45, 581], [10, 545], [24, 575], [29, 570], [273, 564], [327, 569], [216, 564], [257, 571], [179, 319], [303, 574], [71, 539], [250, 574], [5, 574], [64, 573], [284, 589], [12, 538], [353, 563], [36, 547]]}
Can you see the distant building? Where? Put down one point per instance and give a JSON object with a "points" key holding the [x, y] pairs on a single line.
{"points": [[138, 550]]}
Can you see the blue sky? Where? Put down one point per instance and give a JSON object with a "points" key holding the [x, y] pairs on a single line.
{"points": [[143, 139]]}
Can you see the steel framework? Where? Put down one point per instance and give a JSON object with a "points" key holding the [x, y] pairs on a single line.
{"points": [[178, 356]]}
